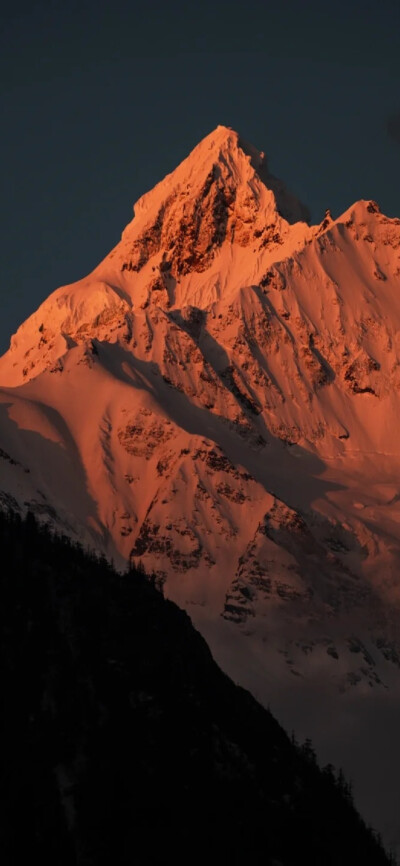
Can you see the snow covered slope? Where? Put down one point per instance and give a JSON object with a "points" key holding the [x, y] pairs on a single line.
{"points": [[219, 399]]}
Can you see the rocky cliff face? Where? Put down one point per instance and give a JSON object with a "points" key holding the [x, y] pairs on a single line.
{"points": [[219, 400]]}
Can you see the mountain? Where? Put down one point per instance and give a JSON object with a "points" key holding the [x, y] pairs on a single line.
{"points": [[126, 743], [219, 400]]}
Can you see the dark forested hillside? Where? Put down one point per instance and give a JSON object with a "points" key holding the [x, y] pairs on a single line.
{"points": [[123, 742]]}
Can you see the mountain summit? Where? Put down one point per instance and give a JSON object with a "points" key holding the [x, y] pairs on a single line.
{"points": [[219, 399], [203, 218]]}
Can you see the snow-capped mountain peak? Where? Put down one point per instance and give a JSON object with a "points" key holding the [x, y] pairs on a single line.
{"points": [[219, 399], [203, 218]]}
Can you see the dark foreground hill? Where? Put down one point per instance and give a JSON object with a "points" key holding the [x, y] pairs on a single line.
{"points": [[124, 743]]}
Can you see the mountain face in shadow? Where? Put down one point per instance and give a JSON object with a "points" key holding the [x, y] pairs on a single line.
{"points": [[124, 742]]}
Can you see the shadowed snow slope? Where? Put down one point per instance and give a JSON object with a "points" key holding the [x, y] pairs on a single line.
{"points": [[219, 399]]}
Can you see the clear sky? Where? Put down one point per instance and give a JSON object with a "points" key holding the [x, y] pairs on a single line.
{"points": [[101, 99]]}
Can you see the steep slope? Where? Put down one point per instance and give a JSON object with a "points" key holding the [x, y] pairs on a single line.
{"points": [[219, 399], [126, 743]]}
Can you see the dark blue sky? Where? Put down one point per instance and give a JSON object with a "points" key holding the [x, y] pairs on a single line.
{"points": [[101, 99]]}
